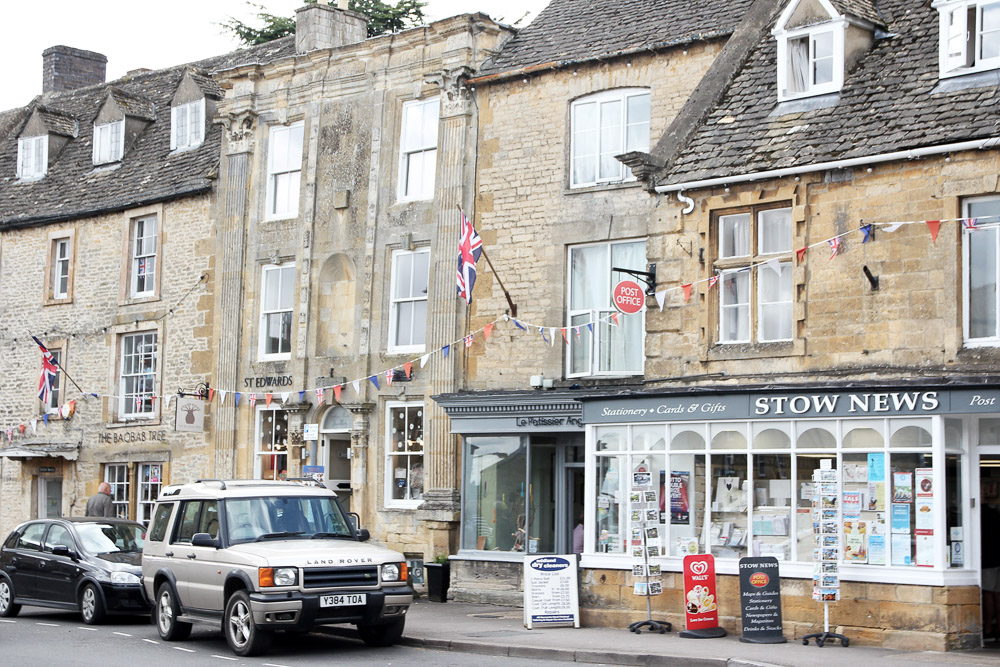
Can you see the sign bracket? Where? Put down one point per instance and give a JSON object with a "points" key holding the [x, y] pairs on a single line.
{"points": [[648, 277]]}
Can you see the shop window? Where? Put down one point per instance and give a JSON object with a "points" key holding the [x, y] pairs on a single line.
{"points": [[969, 36], [284, 170], [143, 245], [404, 466], [604, 125], [271, 452], [150, 482], [597, 346], [771, 436], [137, 375], [755, 288], [408, 300], [981, 271], [276, 306], [418, 149], [116, 474], [683, 436]]}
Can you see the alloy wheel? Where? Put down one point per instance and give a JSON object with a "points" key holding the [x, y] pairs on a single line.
{"points": [[239, 623], [89, 603]]}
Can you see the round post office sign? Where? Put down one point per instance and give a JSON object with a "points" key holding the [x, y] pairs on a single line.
{"points": [[629, 297]]}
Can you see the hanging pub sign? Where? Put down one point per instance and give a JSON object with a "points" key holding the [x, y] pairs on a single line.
{"points": [[760, 601], [701, 608], [629, 297]]}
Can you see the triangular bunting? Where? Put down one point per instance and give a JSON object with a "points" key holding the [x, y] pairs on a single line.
{"points": [[565, 339], [487, 330], [446, 349], [893, 227], [253, 399], [711, 281], [222, 396], [357, 386], [541, 330], [336, 392], [423, 359], [614, 318], [800, 254], [468, 340], [211, 396], [320, 396], [519, 325], [552, 336], [284, 397], [267, 399], [661, 298], [687, 292], [374, 379], [868, 231], [236, 397], [408, 369], [935, 227], [388, 377], [302, 396]]}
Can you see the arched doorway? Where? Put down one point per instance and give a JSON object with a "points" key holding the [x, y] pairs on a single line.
{"points": [[334, 452]]}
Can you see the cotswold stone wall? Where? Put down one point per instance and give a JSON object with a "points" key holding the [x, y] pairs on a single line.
{"points": [[87, 329], [527, 215]]}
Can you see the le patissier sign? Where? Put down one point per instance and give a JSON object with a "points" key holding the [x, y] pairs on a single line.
{"points": [[772, 405]]}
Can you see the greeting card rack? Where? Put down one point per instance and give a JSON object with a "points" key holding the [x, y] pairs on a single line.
{"points": [[827, 529], [639, 505]]}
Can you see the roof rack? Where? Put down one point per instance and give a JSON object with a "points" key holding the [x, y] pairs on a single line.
{"points": [[221, 483]]}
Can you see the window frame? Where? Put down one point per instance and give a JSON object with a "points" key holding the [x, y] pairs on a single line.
{"points": [[405, 152], [187, 139], [274, 173], [837, 27], [967, 340], [388, 476], [53, 260], [108, 148], [124, 414], [147, 491], [39, 151], [53, 406], [751, 264], [117, 483], [259, 452], [946, 8], [617, 94], [265, 271], [395, 303], [135, 259], [596, 314]]}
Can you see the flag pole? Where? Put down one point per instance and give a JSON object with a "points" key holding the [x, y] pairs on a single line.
{"points": [[482, 249], [70, 378]]}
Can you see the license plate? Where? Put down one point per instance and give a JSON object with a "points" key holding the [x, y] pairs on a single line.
{"points": [[348, 600]]}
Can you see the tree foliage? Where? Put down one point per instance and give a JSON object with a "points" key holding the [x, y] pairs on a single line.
{"points": [[382, 18]]}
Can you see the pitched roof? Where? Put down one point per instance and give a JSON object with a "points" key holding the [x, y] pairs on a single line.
{"points": [[148, 172], [57, 122], [580, 30], [892, 100], [863, 9]]}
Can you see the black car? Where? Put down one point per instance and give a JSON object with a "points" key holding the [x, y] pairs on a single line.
{"points": [[91, 564]]}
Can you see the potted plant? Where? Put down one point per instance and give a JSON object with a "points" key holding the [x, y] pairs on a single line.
{"points": [[438, 578]]}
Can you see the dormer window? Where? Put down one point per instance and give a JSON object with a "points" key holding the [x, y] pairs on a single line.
{"points": [[969, 36], [109, 142], [187, 125], [811, 61], [32, 157]]}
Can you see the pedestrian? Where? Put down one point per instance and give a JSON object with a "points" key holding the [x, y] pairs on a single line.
{"points": [[100, 503]]}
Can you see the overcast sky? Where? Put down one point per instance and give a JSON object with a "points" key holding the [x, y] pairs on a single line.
{"points": [[161, 33]]}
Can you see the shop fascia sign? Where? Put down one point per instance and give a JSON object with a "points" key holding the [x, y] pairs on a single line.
{"points": [[769, 405]]}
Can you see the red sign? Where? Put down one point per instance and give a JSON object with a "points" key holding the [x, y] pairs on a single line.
{"points": [[701, 610], [629, 297]]}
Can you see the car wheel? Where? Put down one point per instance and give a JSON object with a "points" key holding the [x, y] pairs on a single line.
{"points": [[243, 636], [167, 610], [91, 605], [382, 634], [7, 606]]}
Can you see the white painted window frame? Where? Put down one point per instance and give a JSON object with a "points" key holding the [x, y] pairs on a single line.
{"points": [[142, 255], [32, 157], [945, 10], [621, 95], [259, 452], [183, 133], [838, 28], [109, 142], [967, 235], [265, 274], [117, 475], [291, 169], [62, 259], [389, 476], [126, 402], [426, 149], [395, 303]]}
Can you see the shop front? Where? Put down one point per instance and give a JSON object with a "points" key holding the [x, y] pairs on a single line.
{"points": [[733, 474]]}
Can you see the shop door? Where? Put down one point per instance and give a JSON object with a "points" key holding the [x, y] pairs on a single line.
{"points": [[49, 497], [335, 457], [989, 532], [555, 488]]}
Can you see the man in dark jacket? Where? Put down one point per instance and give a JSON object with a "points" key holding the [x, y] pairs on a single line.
{"points": [[100, 503]]}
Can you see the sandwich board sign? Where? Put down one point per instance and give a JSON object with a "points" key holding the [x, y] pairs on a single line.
{"points": [[551, 591]]}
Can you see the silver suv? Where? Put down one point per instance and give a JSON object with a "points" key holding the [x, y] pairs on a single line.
{"points": [[259, 556]]}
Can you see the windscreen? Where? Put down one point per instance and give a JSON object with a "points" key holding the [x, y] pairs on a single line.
{"points": [[255, 519], [102, 538]]}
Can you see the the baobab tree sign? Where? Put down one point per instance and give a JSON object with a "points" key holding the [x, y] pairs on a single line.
{"points": [[190, 414]]}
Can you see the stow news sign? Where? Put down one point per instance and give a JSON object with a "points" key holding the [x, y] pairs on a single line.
{"points": [[797, 405]]}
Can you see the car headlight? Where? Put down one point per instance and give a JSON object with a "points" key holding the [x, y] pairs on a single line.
{"points": [[285, 576], [394, 572], [124, 578]]}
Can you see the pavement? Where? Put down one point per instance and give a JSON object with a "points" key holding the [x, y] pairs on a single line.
{"points": [[494, 630]]}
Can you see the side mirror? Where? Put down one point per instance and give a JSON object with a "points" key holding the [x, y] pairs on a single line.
{"points": [[204, 540], [62, 550], [364, 535]]}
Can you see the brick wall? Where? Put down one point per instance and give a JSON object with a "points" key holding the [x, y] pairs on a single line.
{"points": [[65, 68]]}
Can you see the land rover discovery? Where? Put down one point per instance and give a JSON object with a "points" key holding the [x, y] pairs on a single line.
{"points": [[259, 556]]}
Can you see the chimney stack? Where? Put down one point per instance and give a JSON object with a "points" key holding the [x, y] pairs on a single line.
{"points": [[320, 26], [65, 68]]}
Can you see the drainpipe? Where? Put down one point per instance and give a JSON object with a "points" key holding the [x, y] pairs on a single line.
{"points": [[978, 144]]}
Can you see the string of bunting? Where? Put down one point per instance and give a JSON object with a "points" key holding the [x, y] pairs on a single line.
{"points": [[549, 334]]}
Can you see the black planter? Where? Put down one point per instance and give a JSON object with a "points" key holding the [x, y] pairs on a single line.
{"points": [[438, 578]]}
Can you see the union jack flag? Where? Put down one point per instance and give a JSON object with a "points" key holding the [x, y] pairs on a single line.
{"points": [[971, 223], [49, 372], [470, 246]]}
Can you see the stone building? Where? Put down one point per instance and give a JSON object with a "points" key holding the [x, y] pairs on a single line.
{"points": [[822, 213], [344, 165], [107, 214]]}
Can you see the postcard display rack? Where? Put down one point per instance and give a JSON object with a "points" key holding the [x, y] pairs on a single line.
{"points": [[826, 548], [644, 508]]}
